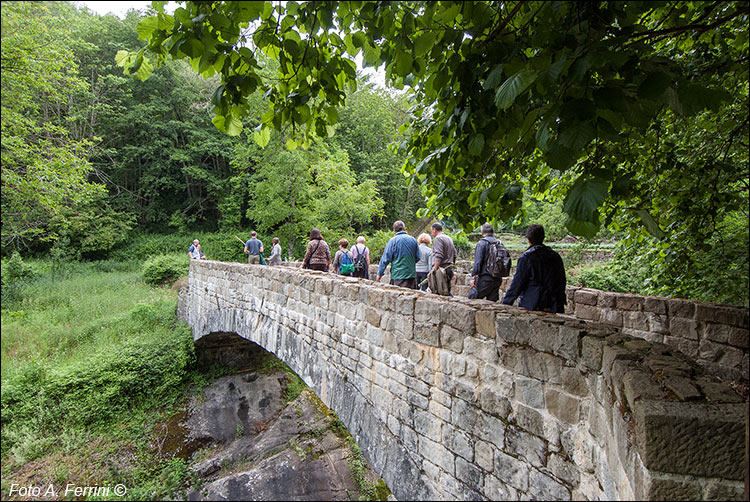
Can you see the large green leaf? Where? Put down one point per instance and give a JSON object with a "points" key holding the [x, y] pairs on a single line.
{"points": [[585, 198], [651, 225], [577, 135], [493, 79], [476, 144], [513, 87], [146, 27]]}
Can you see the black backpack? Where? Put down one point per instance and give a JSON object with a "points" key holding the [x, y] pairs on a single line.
{"points": [[360, 262], [497, 260]]}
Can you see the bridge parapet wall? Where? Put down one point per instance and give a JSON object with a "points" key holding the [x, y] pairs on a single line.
{"points": [[715, 336], [452, 398]]}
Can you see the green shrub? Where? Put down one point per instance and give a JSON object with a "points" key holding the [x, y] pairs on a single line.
{"points": [[223, 246], [164, 269], [97, 389], [602, 277], [15, 276], [376, 243]]}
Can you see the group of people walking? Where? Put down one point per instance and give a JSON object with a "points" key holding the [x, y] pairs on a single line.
{"points": [[538, 284]]}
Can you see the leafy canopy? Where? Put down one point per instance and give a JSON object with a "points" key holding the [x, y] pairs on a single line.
{"points": [[548, 95]]}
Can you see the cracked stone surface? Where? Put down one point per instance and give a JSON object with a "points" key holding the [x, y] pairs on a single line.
{"points": [[261, 448]]}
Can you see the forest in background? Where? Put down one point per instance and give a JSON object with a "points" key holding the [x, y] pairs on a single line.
{"points": [[94, 161]]}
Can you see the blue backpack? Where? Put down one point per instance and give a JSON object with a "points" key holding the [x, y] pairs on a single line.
{"points": [[347, 265]]}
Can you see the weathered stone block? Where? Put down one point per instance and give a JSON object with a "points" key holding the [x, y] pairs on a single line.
{"points": [[667, 488], [417, 400], [591, 352], [490, 429], [405, 305], [459, 316], [485, 322], [717, 391], [682, 387], [658, 323], [494, 403], [459, 442], [471, 477], [544, 487], [629, 302], [691, 438], [607, 300], [684, 328], [716, 332], [681, 308], [562, 406], [589, 312], [586, 296], [611, 317], [563, 469], [441, 411], [452, 339], [574, 383], [739, 337], [481, 350], [532, 364], [567, 342], [734, 316], [438, 454], [511, 471], [427, 311], [426, 333], [528, 420], [495, 489], [529, 392], [688, 347], [635, 320], [655, 305], [373, 317], [427, 425], [484, 455], [638, 384]]}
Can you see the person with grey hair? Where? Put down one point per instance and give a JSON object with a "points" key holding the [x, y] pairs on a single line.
{"points": [[194, 251], [361, 257], [539, 281], [491, 264], [402, 252], [423, 265]]}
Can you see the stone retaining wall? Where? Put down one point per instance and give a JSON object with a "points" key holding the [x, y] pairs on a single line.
{"points": [[452, 398]]}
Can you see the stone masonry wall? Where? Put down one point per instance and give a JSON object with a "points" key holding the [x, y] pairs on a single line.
{"points": [[452, 398], [715, 336]]}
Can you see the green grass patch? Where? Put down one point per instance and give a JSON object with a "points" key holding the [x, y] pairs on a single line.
{"points": [[92, 358]]}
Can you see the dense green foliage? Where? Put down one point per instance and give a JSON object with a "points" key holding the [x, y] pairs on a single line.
{"points": [[146, 153], [625, 119], [165, 269]]}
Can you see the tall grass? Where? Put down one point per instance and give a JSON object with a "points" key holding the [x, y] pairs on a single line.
{"points": [[61, 317], [91, 358]]}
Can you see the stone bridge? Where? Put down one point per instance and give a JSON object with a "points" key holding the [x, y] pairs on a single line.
{"points": [[451, 398]]}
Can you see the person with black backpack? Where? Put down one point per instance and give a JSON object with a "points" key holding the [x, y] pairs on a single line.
{"points": [[361, 257], [491, 263], [539, 282]]}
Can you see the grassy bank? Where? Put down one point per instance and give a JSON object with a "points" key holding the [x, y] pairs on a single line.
{"points": [[92, 358]]}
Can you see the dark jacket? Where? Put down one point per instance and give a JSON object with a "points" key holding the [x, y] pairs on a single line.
{"points": [[539, 281], [480, 252]]}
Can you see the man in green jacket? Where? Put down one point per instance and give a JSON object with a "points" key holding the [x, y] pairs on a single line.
{"points": [[402, 252]]}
